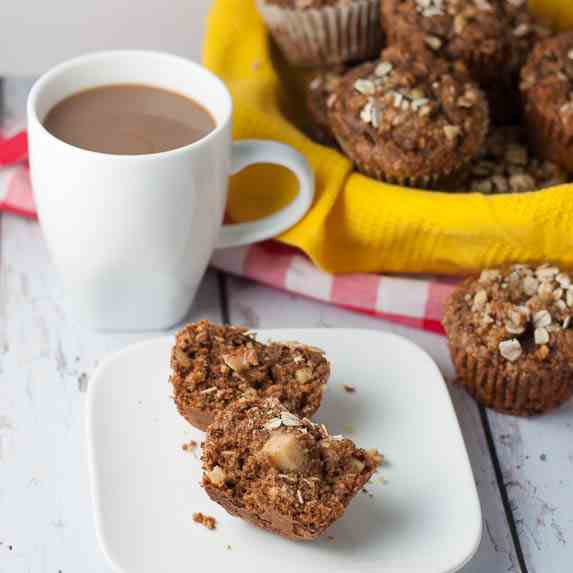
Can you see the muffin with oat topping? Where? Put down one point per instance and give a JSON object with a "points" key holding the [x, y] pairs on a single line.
{"points": [[470, 31], [547, 91], [409, 118], [324, 32], [510, 338], [507, 166], [212, 365], [281, 472], [319, 97]]}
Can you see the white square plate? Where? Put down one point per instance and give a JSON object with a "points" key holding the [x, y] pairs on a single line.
{"points": [[426, 518]]}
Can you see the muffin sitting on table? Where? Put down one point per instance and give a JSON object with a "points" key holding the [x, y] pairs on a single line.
{"points": [[511, 338]]}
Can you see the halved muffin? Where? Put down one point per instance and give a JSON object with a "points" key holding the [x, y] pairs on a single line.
{"points": [[213, 365], [281, 472]]}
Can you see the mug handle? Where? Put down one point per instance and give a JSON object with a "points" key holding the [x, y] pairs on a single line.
{"points": [[249, 151]]}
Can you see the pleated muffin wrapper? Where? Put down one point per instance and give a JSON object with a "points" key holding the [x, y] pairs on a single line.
{"points": [[328, 35], [450, 181], [518, 392]]}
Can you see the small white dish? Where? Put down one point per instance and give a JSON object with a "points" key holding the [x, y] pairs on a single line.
{"points": [[425, 518]]}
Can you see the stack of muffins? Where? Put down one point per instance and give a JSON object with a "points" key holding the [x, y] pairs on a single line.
{"points": [[467, 94]]}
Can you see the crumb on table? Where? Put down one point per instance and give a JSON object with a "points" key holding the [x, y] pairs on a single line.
{"points": [[189, 446], [349, 389], [205, 520]]}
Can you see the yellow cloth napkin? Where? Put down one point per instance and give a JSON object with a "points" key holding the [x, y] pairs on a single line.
{"points": [[356, 223]]}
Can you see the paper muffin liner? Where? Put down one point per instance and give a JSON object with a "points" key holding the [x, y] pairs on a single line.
{"points": [[446, 179], [443, 181], [325, 36], [520, 392]]}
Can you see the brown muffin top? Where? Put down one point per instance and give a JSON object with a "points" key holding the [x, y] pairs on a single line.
{"points": [[409, 115], [310, 4], [507, 166], [523, 32], [547, 82], [273, 463], [519, 316], [467, 30], [212, 365]]}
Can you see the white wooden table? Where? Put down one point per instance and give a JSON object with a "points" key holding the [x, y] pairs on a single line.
{"points": [[523, 468]]}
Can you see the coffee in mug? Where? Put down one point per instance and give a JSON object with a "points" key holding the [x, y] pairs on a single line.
{"points": [[129, 119]]}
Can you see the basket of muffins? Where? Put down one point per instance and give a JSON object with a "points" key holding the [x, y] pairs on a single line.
{"points": [[455, 95]]}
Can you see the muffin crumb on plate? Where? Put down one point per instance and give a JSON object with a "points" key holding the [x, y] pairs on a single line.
{"points": [[205, 520]]}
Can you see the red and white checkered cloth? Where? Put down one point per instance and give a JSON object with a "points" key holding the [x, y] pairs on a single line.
{"points": [[416, 302]]}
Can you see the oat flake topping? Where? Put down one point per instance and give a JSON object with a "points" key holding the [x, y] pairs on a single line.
{"points": [[523, 308]]}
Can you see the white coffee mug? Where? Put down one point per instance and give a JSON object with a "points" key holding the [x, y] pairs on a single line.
{"points": [[132, 234]]}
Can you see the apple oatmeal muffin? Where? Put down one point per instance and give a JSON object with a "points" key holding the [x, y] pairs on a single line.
{"points": [[213, 365], [281, 472], [510, 337], [410, 118]]}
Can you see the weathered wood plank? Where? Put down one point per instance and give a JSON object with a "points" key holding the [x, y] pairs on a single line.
{"points": [[260, 307], [536, 460], [45, 363]]}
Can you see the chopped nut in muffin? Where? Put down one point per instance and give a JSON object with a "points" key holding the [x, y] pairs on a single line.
{"points": [[214, 365], [510, 337], [507, 166], [281, 472], [409, 118], [547, 91]]}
